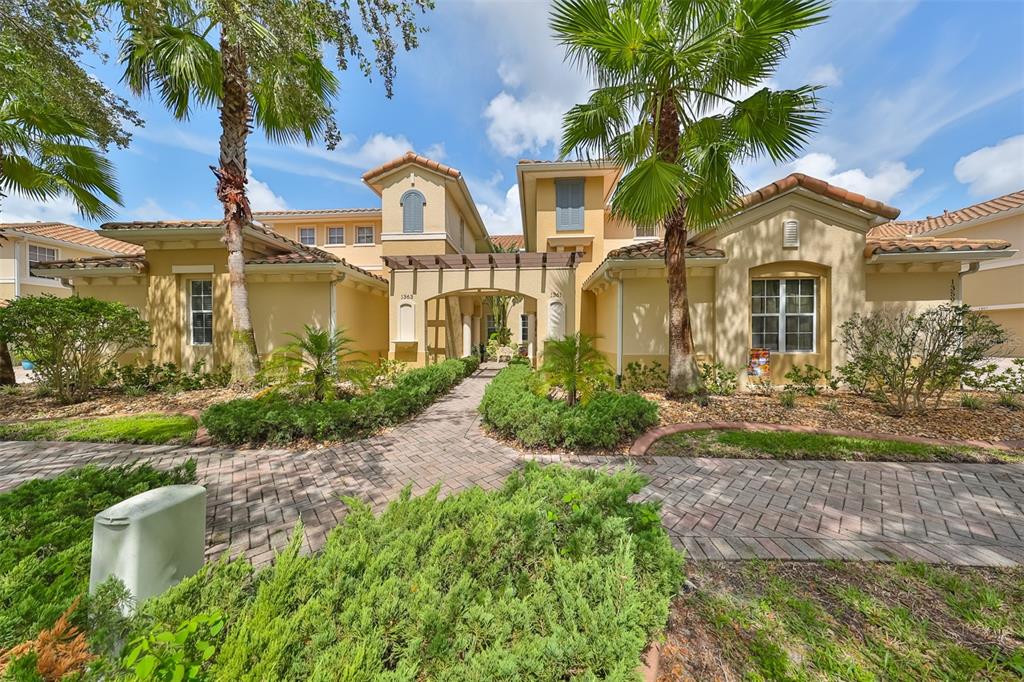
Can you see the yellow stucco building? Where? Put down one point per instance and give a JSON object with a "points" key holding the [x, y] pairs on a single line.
{"points": [[411, 279]]}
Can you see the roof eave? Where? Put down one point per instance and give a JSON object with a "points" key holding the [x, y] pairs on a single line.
{"points": [[609, 264], [965, 255], [99, 250]]}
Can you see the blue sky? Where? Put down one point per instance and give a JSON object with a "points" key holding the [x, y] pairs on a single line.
{"points": [[926, 105]]}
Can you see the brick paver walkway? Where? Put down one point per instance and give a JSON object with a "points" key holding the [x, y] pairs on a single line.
{"points": [[716, 509]]}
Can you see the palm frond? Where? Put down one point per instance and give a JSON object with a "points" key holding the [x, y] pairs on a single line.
{"points": [[650, 191], [777, 123]]}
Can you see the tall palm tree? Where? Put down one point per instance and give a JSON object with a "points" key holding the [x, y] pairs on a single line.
{"points": [[679, 99], [261, 63], [44, 155]]}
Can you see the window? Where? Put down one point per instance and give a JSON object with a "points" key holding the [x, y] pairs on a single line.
{"points": [[40, 254], [412, 212], [646, 231], [569, 204], [491, 326], [201, 311], [335, 235], [364, 235], [783, 314], [524, 328], [307, 236]]}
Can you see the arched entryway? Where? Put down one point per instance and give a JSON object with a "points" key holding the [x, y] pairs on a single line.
{"points": [[440, 304]]}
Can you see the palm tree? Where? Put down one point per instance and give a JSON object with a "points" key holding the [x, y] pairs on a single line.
{"points": [[262, 64], [44, 155], [679, 99], [575, 364], [313, 360]]}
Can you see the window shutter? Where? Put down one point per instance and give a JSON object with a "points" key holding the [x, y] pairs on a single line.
{"points": [[569, 204], [791, 233], [412, 212]]}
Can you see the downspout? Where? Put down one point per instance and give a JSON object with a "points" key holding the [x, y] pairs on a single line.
{"points": [[17, 268], [332, 323], [971, 267], [618, 335]]}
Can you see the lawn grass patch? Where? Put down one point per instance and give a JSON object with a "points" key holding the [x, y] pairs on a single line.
{"points": [[849, 621], [46, 539], [815, 446], [149, 429]]}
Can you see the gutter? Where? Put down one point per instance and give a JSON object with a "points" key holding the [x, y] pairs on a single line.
{"points": [[939, 256], [17, 269], [610, 263]]}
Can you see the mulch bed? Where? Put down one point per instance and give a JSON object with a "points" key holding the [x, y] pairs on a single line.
{"points": [[24, 404], [950, 421]]}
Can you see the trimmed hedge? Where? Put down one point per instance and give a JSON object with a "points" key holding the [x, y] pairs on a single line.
{"points": [[512, 408], [276, 419], [556, 576]]}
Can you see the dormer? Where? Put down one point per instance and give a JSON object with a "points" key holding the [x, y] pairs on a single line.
{"points": [[426, 208]]}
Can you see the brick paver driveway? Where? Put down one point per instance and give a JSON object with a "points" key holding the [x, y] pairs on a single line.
{"points": [[716, 509]]}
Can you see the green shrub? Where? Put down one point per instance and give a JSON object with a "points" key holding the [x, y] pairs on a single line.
{"points": [[512, 407], [806, 381], [275, 418], [787, 399], [971, 402], [1009, 401], [717, 379], [46, 537], [576, 366], [642, 376], [557, 575], [471, 364], [71, 340], [136, 380]]}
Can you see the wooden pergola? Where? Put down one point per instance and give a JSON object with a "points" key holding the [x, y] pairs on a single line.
{"points": [[484, 261]]}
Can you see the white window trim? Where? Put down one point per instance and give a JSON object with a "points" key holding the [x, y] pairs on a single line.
{"points": [[299, 235], [782, 315], [28, 251], [191, 327], [373, 236], [335, 227]]}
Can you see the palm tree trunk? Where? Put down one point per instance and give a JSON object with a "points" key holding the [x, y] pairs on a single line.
{"points": [[234, 120], [683, 376], [6, 365]]}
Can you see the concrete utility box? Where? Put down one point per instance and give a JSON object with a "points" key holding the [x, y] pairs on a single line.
{"points": [[151, 541]]}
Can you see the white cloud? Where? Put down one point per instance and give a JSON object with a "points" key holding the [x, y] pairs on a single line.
{"points": [[377, 149], [19, 209], [504, 218], [150, 209], [436, 151], [995, 170], [891, 178], [519, 125], [261, 197], [826, 74]]}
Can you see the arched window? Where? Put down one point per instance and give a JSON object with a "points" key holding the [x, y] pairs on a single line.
{"points": [[412, 212], [556, 320], [406, 322]]}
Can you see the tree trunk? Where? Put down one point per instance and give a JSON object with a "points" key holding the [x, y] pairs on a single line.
{"points": [[234, 120], [683, 376], [6, 365]]}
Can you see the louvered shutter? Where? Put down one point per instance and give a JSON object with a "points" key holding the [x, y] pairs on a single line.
{"points": [[569, 204], [412, 212]]}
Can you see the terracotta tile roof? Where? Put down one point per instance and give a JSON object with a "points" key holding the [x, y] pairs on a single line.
{"points": [[874, 246], [985, 209], [134, 261], [794, 180], [310, 256], [73, 235], [656, 249], [285, 242], [509, 241], [316, 212], [412, 157]]}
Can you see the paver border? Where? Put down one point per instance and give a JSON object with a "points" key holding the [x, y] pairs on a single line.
{"points": [[642, 444]]}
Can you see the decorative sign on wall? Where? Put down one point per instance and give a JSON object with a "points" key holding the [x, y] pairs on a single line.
{"points": [[760, 363]]}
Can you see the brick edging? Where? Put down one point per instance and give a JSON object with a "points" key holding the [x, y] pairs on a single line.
{"points": [[644, 442]]}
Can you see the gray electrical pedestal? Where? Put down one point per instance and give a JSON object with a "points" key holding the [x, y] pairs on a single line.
{"points": [[151, 541]]}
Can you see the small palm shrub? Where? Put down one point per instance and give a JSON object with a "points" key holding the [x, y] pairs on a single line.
{"points": [[576, 366], [513, 408], [555, 576], [312, 365]]}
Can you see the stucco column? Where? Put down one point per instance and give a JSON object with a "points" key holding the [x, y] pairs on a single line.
{"points": [[531, 333], [476, 331], [467, 335]]}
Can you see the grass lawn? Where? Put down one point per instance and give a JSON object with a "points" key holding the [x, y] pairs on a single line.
{"points": [[789, 445], [761, 620], [150, 429]]}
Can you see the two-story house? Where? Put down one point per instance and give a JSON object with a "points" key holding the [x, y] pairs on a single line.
{"points": [[412, 279]]}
